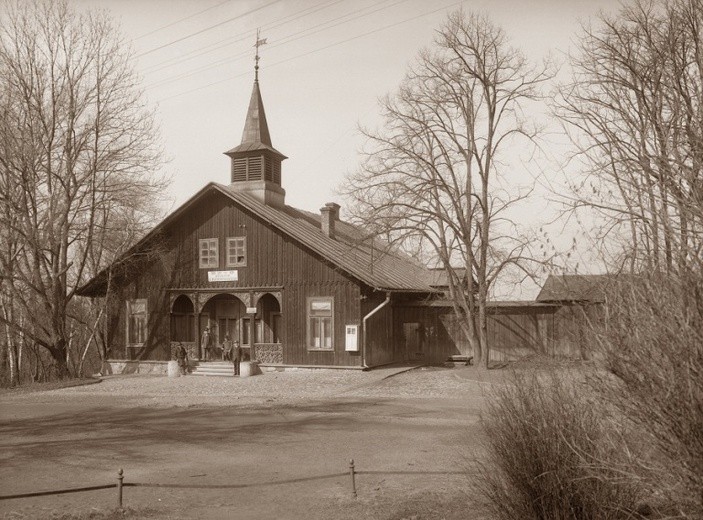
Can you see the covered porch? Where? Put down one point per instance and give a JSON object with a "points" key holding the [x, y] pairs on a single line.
{"points": [[203, 320]]}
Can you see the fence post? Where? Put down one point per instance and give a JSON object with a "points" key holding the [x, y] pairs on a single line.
{"points": [[120, 476], [353, 481]]}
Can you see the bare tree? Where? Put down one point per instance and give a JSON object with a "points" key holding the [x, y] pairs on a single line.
{"points": [[78, 149], [634, 111], [434, 176]]}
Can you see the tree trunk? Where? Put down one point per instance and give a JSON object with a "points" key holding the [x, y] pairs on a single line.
{"points": [[59, 367]]}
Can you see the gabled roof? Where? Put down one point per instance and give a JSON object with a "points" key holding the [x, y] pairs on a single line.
{"points": [[370, 261], [440, 276], [576, 288]]}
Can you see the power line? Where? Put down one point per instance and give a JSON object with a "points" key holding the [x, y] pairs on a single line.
{"points": [[286, 39], [232, 40], [208, 28], [237, 57], [182, 20], [318, 49]]}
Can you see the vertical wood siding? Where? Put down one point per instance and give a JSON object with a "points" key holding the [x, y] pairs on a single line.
{"points": [[513, 332], [380, 349], [273, 260]]}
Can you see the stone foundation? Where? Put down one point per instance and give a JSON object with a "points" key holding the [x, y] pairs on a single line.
{"points": [[137, 367]]}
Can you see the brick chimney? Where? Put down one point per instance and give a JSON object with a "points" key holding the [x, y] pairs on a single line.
{"points": [[329, 214]]}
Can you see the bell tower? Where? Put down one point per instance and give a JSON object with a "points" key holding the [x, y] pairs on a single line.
{"points": [[255, 163]]}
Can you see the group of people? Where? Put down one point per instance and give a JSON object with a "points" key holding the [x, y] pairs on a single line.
{"points": [[228, 351]]}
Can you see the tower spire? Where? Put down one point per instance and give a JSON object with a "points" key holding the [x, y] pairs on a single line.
{"points": [[259, 43], [255, 163]]}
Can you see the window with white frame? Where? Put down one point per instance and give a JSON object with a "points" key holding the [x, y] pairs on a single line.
{"points": [[136, 322], [320, 324], [209, 256], [237, 252]]}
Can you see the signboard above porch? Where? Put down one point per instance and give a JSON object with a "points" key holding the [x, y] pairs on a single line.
{"points": [[222, 276]]}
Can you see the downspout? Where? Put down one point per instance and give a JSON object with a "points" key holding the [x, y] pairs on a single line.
{"points": [[374, 311]]}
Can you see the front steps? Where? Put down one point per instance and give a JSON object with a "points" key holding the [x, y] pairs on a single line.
{"points": [[213, 368]]}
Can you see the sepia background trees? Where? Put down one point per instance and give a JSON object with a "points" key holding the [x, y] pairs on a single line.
{"points": [[435, 175], [634, 113], [78, 151]]}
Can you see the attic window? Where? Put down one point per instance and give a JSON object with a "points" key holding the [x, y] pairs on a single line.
{"points": [[209, 255], [236, 252]]}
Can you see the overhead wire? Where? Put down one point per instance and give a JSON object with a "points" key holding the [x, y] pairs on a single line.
{"points": [[285, 39], [236, 39], [182, 20], [191, 35], [389, 26]]}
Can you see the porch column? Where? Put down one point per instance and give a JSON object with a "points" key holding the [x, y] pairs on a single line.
{"points": [[252, 328], [196, 317]]}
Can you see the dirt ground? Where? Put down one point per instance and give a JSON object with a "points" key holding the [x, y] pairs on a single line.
{"points": [[274, 446]]}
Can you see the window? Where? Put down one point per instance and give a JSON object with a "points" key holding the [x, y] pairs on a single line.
{"points": [[209, 256], [320, 323], [246, 329], [236, 252], [276, 327], [136, 322]]}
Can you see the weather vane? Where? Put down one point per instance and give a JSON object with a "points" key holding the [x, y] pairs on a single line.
{"points": [[259, 43]]}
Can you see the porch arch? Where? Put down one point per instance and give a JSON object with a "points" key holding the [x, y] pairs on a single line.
{"points": [[268, 347], [224, 315], [183, 319], [207, 298]]}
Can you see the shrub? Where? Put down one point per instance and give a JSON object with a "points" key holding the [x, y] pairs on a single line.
{"points": [[551, 455], [651, 349]]}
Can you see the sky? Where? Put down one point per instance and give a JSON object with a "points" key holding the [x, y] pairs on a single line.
{"points": [[322, 71]]}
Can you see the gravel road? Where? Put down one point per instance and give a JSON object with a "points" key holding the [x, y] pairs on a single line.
{"points": [[273, 388]]}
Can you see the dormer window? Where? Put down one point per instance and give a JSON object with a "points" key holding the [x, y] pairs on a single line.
{"points": [[209, 254], [237, 252]]}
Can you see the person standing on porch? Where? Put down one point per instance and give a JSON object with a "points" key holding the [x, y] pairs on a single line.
{"points": [[236, 357], [227, 348], [205, 343]]}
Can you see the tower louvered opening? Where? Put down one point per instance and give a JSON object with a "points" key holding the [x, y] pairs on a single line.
{"points": [[239, 169], [255, 172], [268, 169], [248, 168], [277, 172]]}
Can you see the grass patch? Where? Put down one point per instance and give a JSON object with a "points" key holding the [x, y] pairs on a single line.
{"points": [[92, 514], [49, 385]]}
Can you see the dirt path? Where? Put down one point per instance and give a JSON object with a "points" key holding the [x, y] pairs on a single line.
{"points": [[276, 455]]}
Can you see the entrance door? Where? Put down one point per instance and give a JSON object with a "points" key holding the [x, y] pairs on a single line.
{"points": [[413, 344], [228, 326]]}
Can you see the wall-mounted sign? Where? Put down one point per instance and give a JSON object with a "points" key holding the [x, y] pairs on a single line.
{"points": [[351, 343], [251, 310], [222, 276]]}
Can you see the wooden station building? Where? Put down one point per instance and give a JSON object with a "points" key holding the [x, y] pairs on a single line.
{"points": [[294, 288]]}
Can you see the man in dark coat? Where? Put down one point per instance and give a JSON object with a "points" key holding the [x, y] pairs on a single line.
{"points": [[206, 344], [182, 358], [236, 357]]}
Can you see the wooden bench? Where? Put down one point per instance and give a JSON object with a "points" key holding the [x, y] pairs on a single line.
{"points": [[466, 360]]}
